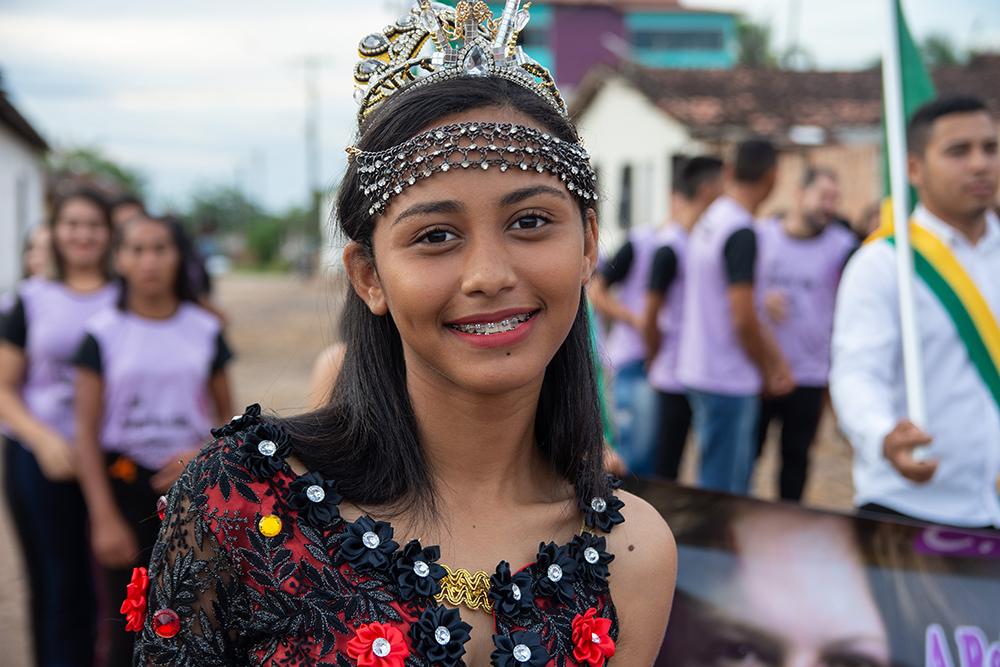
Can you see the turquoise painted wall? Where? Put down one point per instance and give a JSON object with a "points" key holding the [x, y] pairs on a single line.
{"points": [[722, 55]]}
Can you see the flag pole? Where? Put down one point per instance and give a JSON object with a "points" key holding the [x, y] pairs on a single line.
{"points": [[892, 90]]}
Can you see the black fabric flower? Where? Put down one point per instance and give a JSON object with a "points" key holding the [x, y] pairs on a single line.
{"points": [[416, 570], [315, 499], [556, 572], [602, 513], [511, 594], [367, 544], [440, 635], [264, 450], [519, 649], [592, 557], [238, 423]]}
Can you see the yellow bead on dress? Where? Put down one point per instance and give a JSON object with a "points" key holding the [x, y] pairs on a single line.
{"points": [[269, 525]]}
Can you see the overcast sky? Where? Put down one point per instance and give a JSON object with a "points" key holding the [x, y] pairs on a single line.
{"points": [[202, 92]]}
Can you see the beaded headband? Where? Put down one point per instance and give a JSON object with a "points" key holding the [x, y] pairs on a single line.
{"points": [[504, 146], [464, 41]]}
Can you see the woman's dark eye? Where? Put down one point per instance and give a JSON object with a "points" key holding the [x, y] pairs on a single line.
{"points": [[530, 222], [436, 236]]}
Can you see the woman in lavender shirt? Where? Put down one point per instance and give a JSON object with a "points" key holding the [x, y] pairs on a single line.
{"points": [[40, 335], [148, 371]]}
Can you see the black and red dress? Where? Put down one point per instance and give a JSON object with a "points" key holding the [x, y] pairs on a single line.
{"points": [[255, 566]]}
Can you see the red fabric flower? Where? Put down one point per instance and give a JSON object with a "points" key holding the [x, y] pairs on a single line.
{"points": [[378, 645], [591, 644], [134, 606]]}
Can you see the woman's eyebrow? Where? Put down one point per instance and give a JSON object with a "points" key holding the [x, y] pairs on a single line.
{"points": [[524, 193], [443, 206]]}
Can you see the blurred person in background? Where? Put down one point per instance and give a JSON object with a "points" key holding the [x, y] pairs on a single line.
{"points": [[37, 256], [802, 256], [126, 206], [954, 166], [727, 355], [147, 372], [696, 185], [617, 293], [40, 336]]}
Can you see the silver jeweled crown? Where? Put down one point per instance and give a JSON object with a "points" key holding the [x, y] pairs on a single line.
{"points": [[465, 41]]}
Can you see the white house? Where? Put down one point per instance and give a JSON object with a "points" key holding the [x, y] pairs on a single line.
{"points": [[22, 187]]}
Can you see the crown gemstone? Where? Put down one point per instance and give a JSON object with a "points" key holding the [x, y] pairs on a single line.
{"points": [[369, 66], [521, 20], [373, 42], [476, 63]]}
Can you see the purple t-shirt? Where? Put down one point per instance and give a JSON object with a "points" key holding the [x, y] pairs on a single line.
{"points": [[47, 324], [806, 272], [663, 368], [155, 375], [624, 344], [711, 358]]}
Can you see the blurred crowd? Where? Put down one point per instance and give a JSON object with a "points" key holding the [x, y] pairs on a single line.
{"points": [[732, 324], [112, 372]]}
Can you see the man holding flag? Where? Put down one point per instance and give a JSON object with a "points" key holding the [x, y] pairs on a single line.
{"points": [[945, 469]]}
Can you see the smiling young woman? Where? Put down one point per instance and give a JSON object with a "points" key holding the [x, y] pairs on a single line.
{"points": [[466, 413]]}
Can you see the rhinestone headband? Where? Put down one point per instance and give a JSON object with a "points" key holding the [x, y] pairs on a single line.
{"points": [[504, 146], [435, 42]]}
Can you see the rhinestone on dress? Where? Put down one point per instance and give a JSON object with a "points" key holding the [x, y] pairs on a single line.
{"points": [[442, 635], [521, 653], [371, 540], [420, 568], [161, 507], [590, 555], [594, 637], [381, 647], [315, 493], [515, 592], [598, 504], [267, 447], [555, 572]]}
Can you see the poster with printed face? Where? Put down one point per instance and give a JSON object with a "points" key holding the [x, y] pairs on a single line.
{"points": [[765, 584]]}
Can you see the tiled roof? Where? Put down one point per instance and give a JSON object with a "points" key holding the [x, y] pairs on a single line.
{"points": [[770, 102], [13, 119]]}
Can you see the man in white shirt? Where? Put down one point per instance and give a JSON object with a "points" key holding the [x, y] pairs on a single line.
{"points": [[953, 164]]}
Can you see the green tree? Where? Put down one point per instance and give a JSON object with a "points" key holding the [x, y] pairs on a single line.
{"points": [[92, 164], [755, 44], [939, 51], [224, 208]]}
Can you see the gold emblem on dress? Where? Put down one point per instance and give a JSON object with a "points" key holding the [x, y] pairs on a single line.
{"points": [[468, 589]]}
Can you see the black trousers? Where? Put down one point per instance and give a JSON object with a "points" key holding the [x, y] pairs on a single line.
{"points": [[51, 523], [672, 433], [799, 413], [136, 501]]}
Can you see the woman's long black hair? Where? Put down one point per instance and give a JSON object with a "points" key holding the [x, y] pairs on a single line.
{"points": [[366, 438]]}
